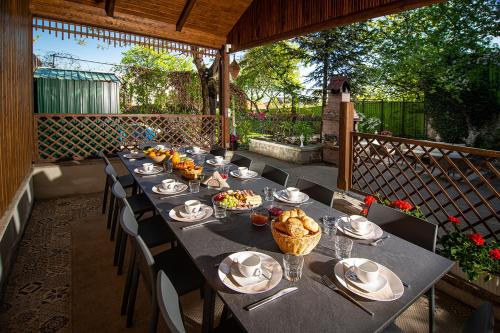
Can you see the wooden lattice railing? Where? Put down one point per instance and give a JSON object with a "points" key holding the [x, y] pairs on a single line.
{"points": [[442, 179], [76, 136]]}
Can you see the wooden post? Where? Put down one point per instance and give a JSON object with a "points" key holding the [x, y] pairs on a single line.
{"points": [[224, 95], [346, 126]]}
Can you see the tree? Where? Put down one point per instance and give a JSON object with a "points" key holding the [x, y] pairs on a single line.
{"points": [[270, 71], [338, 51]]}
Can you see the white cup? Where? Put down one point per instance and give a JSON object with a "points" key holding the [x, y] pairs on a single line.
{"points": [[219, 159], [242, 171], [192, 206], [249, 264], [160, 147], [148, 167], [168, 184], [196, 149], [367, 272], [359, 223], [293, 193]]}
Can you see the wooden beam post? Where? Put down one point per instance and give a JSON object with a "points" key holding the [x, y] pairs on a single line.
{"points": [[110, 7], [184, 14], [224, 95], [346, 126]]}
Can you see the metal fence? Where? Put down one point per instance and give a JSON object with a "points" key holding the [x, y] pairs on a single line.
{"points": [[76, 136], [401, 118]]}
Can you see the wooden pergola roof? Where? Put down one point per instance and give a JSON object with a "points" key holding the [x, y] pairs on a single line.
{"points": [[213, 23]]}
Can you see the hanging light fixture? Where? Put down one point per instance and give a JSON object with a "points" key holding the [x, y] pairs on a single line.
{"points": [[234, 68]]}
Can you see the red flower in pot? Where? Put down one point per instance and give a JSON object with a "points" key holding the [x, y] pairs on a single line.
{"points": [[402, 204], [476, 239]]}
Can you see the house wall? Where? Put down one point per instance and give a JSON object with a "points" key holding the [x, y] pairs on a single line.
{"points": [[16, 123]]}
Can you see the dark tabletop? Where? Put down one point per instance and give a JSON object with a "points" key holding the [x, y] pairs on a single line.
{"points": [[314, 307]]}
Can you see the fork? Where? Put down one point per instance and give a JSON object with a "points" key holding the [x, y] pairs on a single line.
{"points": [[376, 242], [327, 282]]}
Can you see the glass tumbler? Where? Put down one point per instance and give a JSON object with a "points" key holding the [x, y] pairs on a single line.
{"points": [[269, 193], [343, 247], [168, 166], [293, 265], [219, 210], [194, 186], [330, 224]]}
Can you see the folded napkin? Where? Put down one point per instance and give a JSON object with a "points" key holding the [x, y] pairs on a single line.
{"points": [[216, 180]]}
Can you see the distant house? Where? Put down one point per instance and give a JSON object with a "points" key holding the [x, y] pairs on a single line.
{"points": [[71, 91]]}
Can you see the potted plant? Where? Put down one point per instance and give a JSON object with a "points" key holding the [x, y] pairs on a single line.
{"points": [[402, 205]]}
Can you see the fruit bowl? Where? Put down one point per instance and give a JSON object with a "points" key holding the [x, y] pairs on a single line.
{"points": [[192, 173], [157, 159]]}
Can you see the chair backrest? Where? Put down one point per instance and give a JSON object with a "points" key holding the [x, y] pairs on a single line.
{"points": [[146, 264], [274, 174], [410, 228], [104, 157], [218, 151], [127, 220], [110, 171], [168, 302], [482, 320], [316, 191], [118, 191], [241, 161]]}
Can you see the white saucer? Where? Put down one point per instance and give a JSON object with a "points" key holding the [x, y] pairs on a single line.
{"points": [[134, 156], [190, 151], [178, 188], [282, 196], [374, 232], [371, 287], [393, 290], [182, 212], [213, 162], [141, 171], [175, 214], [244, 281], [250, 174], [268, 263]]}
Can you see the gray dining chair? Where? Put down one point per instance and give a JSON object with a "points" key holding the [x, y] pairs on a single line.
{"points": [[241, 161], [274, 174], [218, 151], [153, 230], [171, 311], [127, 181], [316, 191], [411, 229], [175, 262]]}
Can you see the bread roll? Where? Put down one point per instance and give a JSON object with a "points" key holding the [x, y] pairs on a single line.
{"points": [[281, 227], [310, 224], [285, 216], [295, 228], [300, 212]]}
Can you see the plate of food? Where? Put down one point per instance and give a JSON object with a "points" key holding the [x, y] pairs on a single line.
{"points": [[238, 200]]}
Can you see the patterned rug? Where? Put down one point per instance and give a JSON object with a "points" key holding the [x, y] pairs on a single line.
{"points": [[38, 292]]}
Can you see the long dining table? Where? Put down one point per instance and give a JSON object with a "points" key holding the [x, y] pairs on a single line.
{"points": [[313, 307]]}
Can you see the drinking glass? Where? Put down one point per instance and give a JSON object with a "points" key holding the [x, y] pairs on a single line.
{"points": [[293, 265], [224, 171], [330, 225], [194, 186], [167, 166], [343, 247], [259, 216], [269, 193], [219, 210]]}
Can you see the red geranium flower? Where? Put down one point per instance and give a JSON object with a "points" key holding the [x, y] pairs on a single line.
{"points": [[364, 211], [369, 200], [454, 219], [477, 239], [495, 254], [401, 204]]}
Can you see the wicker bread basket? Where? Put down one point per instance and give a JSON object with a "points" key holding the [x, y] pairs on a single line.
{"points": [[296, 245]]}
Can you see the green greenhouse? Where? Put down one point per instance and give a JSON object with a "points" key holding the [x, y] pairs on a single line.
{"points": [[76, 92]]}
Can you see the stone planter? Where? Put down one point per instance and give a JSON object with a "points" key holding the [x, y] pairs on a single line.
{"points": [[492, 286], [287, 152]]}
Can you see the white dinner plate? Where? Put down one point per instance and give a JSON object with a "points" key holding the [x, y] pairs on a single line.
{"points": [[132, 156], [282, 196], [374, 232], [393, 290], [250, 174], [141, 171], [178, 188], [190, 151], [214, 162], [175, 214], [261, 284]]}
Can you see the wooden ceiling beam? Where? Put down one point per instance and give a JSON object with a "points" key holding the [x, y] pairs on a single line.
{"points": [[110, 7], [184, 15]]}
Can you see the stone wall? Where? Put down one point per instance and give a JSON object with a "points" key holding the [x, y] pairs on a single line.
{"points": [[286, 152]]}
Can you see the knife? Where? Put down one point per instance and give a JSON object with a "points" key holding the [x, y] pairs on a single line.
{"points": [[198, 225], [271, 298]]}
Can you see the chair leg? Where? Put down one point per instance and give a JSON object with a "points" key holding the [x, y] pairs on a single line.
{"points": [[119, 236], [121, 254], [128, 282], [110, 210], [431, 295], [153, 322], [105, 198], [133, 294], [114, 221], [225, 314]]}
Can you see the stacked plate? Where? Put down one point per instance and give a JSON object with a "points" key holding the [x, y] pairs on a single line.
{"points": [[199, 152], [153, 171], [249, 174], [179, 214], [283, 196], [178, 188], [133, 156], [216, 163], [230, 275], [372, 232], [386, 286]]}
